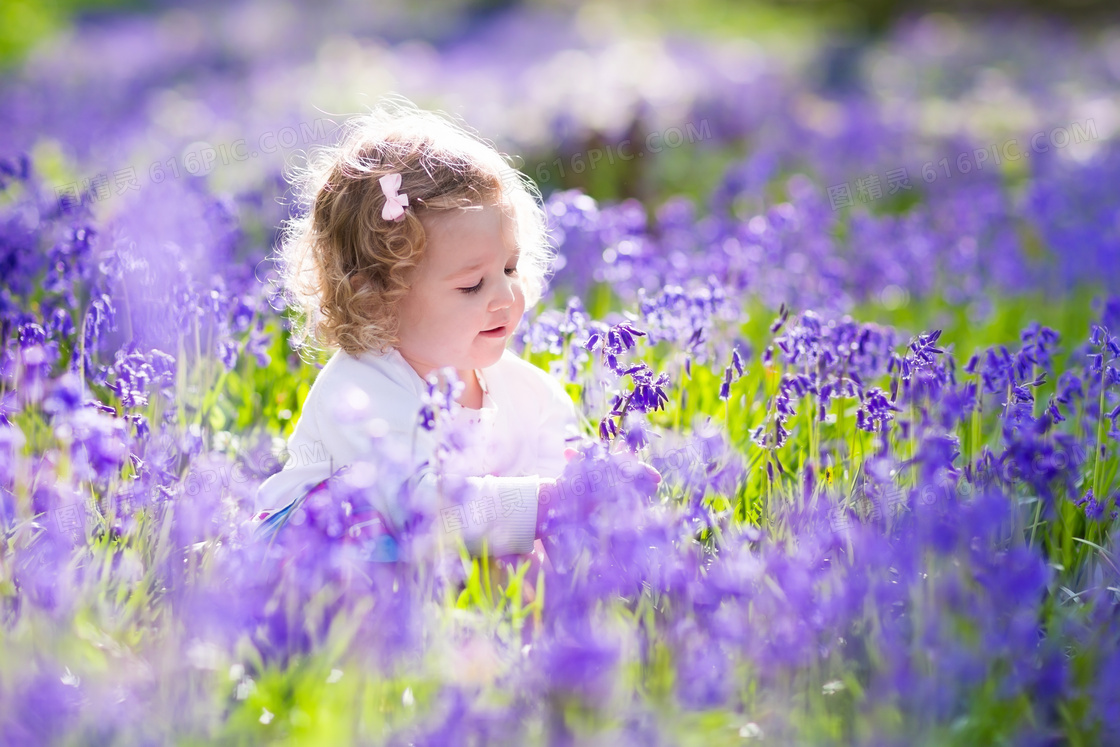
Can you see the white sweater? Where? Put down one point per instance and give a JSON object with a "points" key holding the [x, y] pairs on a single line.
{"points": [[518, 437]]}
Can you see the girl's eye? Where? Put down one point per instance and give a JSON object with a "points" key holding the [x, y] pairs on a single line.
{"points": [[476, 288]]}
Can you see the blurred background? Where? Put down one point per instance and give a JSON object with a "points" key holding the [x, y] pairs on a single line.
{"points": [[104, 82]]}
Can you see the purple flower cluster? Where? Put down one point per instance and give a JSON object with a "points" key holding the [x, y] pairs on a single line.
{"points": [[829, 360], [442, 389], [645, 392]]}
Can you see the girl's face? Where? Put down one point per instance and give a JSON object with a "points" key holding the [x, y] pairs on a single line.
{"points": [[466, 297]]}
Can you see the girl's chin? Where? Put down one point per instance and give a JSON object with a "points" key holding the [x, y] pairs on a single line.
{"points": [[490, 356]]}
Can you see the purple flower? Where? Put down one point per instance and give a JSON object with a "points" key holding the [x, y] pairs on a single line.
{"points": [[66, 395], [258, 345], [1093, 508], [98, 443], [227, 352], [442, 390]]}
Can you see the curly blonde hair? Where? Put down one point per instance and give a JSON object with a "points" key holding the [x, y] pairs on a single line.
{"points": [[344, 268]]}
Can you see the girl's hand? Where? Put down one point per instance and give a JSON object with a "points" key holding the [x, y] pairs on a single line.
{"points": [[643, 471], [633, 470]]}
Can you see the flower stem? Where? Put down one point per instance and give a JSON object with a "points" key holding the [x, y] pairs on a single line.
{"points": [[1099, 447]]}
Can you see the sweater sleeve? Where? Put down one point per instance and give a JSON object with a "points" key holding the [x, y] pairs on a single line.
{"points": [[323, 441], [492, 515]]}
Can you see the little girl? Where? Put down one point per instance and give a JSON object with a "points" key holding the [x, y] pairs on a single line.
{"points": [[420, 249]]}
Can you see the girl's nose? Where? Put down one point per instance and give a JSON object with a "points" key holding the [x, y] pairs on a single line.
{"points": [[504, 296]]}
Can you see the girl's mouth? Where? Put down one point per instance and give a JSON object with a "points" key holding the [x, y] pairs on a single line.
{"points": [[496, 332]]}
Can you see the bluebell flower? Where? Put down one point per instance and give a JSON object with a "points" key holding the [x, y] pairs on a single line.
{"points": [[442, 389]]}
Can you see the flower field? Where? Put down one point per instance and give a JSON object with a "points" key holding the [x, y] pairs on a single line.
{"points": [[860, 306]]}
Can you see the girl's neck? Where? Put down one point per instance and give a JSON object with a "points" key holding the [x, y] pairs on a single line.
{"points": [[471, 396]]}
